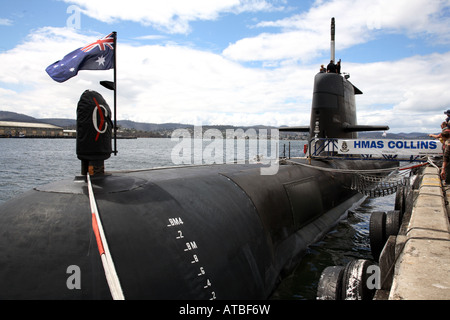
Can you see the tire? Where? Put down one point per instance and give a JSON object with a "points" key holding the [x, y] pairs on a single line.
{"points": [[392, 223], [377, 233], [354, 281], [330, 284], [400, 200]]}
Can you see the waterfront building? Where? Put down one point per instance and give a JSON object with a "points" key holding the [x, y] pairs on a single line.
{"points": [[26, 129]]}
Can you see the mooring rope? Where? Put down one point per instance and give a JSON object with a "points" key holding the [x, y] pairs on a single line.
{"points": [[107, 261], [433, 164]]}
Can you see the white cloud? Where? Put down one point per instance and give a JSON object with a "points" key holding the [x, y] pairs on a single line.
{"points": [[306, 35], [172, 16], [5, 22], [23, 72], [408, 94], [177, 84], [155, 83], [172, 83], [409, 85], [150, 37]]}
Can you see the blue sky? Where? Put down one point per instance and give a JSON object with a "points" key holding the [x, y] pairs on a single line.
{"points": [[235, 62]]}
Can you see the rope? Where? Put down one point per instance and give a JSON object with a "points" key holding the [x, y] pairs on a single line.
{"points": [[412, 167], [105, 254], [432, 163], [352, 170]]}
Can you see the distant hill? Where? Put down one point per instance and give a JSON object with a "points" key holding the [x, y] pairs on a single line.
{"points": [[18, 117], [65, 123], [124, 124], [401, 135], [141, 126], [168, 127]]}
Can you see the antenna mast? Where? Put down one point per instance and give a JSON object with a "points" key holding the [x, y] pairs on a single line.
{"points": [[332, 38]]}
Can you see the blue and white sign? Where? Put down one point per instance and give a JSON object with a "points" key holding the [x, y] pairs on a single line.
{"points": [[390, 147]]}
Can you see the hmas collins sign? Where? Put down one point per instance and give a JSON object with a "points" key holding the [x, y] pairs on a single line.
{"points": [[384, 146]]}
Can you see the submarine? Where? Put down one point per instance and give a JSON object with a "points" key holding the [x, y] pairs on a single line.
{"points": [[201, 232]]}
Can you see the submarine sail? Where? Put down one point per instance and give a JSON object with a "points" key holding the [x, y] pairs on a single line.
{"points": [[333, 110]]}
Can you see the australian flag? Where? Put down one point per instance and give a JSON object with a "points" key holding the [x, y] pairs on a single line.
{"points": [[98, 55]]}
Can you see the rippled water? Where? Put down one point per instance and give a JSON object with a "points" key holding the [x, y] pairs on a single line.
{"points": [[27, 163]]}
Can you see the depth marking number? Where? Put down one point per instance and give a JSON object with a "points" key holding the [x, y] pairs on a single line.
{"points": [[191, 246]]}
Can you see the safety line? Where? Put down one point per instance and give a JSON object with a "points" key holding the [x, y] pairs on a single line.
{"points": [[342, 170], [412, 167], [105, 254]]}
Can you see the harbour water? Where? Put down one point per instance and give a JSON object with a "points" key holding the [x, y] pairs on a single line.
{"points": [[27, 163]]}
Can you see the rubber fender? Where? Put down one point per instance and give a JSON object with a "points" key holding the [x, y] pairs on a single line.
{"points": [[354, 281], [377, 233], [386, 263], [400, 200], [330, 283], [392, 223]]}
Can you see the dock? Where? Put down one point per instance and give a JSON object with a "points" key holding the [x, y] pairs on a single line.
{"points": [[415, 264]]}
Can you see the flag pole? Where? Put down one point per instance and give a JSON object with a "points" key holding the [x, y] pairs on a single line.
{"points": [[115, 92]]}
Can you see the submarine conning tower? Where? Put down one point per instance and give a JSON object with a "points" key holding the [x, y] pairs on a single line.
{"points": [[333, 110]]}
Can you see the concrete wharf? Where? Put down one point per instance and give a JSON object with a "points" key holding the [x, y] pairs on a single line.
{"points": [[416, 262]]}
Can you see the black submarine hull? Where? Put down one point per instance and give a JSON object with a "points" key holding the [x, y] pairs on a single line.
{"points": [[199, 232]]}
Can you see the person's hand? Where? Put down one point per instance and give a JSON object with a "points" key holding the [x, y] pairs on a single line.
{"points": [[443, 173]]}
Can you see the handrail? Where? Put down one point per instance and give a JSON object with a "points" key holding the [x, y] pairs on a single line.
{"points": [[327, 148]]}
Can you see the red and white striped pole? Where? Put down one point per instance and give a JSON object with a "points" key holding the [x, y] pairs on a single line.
{"points": [[105, 254]]}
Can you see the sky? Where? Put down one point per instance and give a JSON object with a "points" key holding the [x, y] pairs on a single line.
{"points": [[231, 62]]}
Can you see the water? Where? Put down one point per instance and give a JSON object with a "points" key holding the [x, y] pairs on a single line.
{"points": [[27, 163], [348, 241]]}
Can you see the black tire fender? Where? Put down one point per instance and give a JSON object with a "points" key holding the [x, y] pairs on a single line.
{"points": [[354, 281], [377, 233], [400, 200], [392, 223], [330, 283]]}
